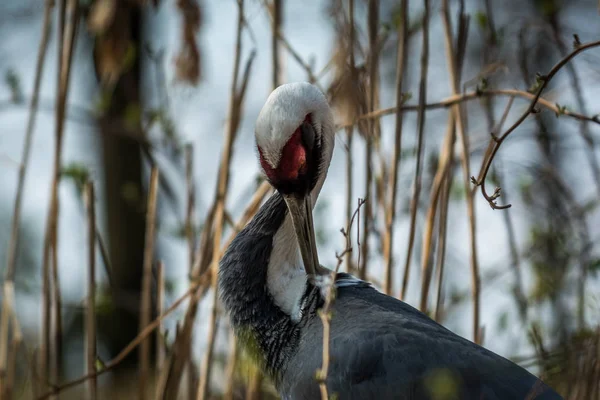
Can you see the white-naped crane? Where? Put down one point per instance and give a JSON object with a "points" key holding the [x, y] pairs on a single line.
{"points": [[380, 347]]}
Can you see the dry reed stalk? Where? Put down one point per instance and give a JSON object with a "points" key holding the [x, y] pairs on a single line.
{"points": [[67, 35], [451, 55], [373, 63], [283, 41], [160, 303], [442, 236], [442, 173], [190, 233], [390, 214], [33, 107], [452, 100], [8, 358], [441, 190], [235, 105], [133, 345], [350, 133], [275, 11], [90, 315], [145, 304], [4, 333], [263, 190], [414, 204], [231, 364], [349, 187], [191, 204], [254, 390]]}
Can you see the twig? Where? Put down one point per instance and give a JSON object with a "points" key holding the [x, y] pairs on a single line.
{"points": [[148, 330], [325, 311], [146, 307], [90, 320], [390, 215], [543, 82], [235, 105], [160, 303], [462, 97], [414, 203]]}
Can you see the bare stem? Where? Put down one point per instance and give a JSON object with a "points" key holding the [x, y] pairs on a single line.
{"points": [[414, 204], [33, 107], [388, 254], [451, 54], [90, 320], [146, 309]]}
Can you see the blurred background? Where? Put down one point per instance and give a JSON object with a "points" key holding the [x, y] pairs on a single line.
{"points": [[127, 162]]}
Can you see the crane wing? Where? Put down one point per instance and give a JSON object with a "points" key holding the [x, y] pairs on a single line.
{"points": [[382, 348]]}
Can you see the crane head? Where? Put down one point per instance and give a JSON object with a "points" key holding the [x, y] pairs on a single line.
{"points": [[294, 136]]}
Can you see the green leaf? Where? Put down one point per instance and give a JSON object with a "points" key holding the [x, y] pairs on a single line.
{"points": [[482, 19], [594, 267], [14, 84]]}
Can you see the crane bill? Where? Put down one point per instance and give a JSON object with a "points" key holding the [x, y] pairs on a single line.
{"points": [[301, 212]]}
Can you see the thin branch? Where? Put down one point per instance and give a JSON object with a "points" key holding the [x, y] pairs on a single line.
{"points": [[531, 109], [476, 94], [390, 215], [414, 204], [145, 305], [90, 315]]}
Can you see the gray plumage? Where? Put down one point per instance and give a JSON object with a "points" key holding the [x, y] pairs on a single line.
{"points": [[380, 347]]}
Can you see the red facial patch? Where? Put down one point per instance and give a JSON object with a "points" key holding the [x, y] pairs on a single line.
{"points": [[292, 162]]}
